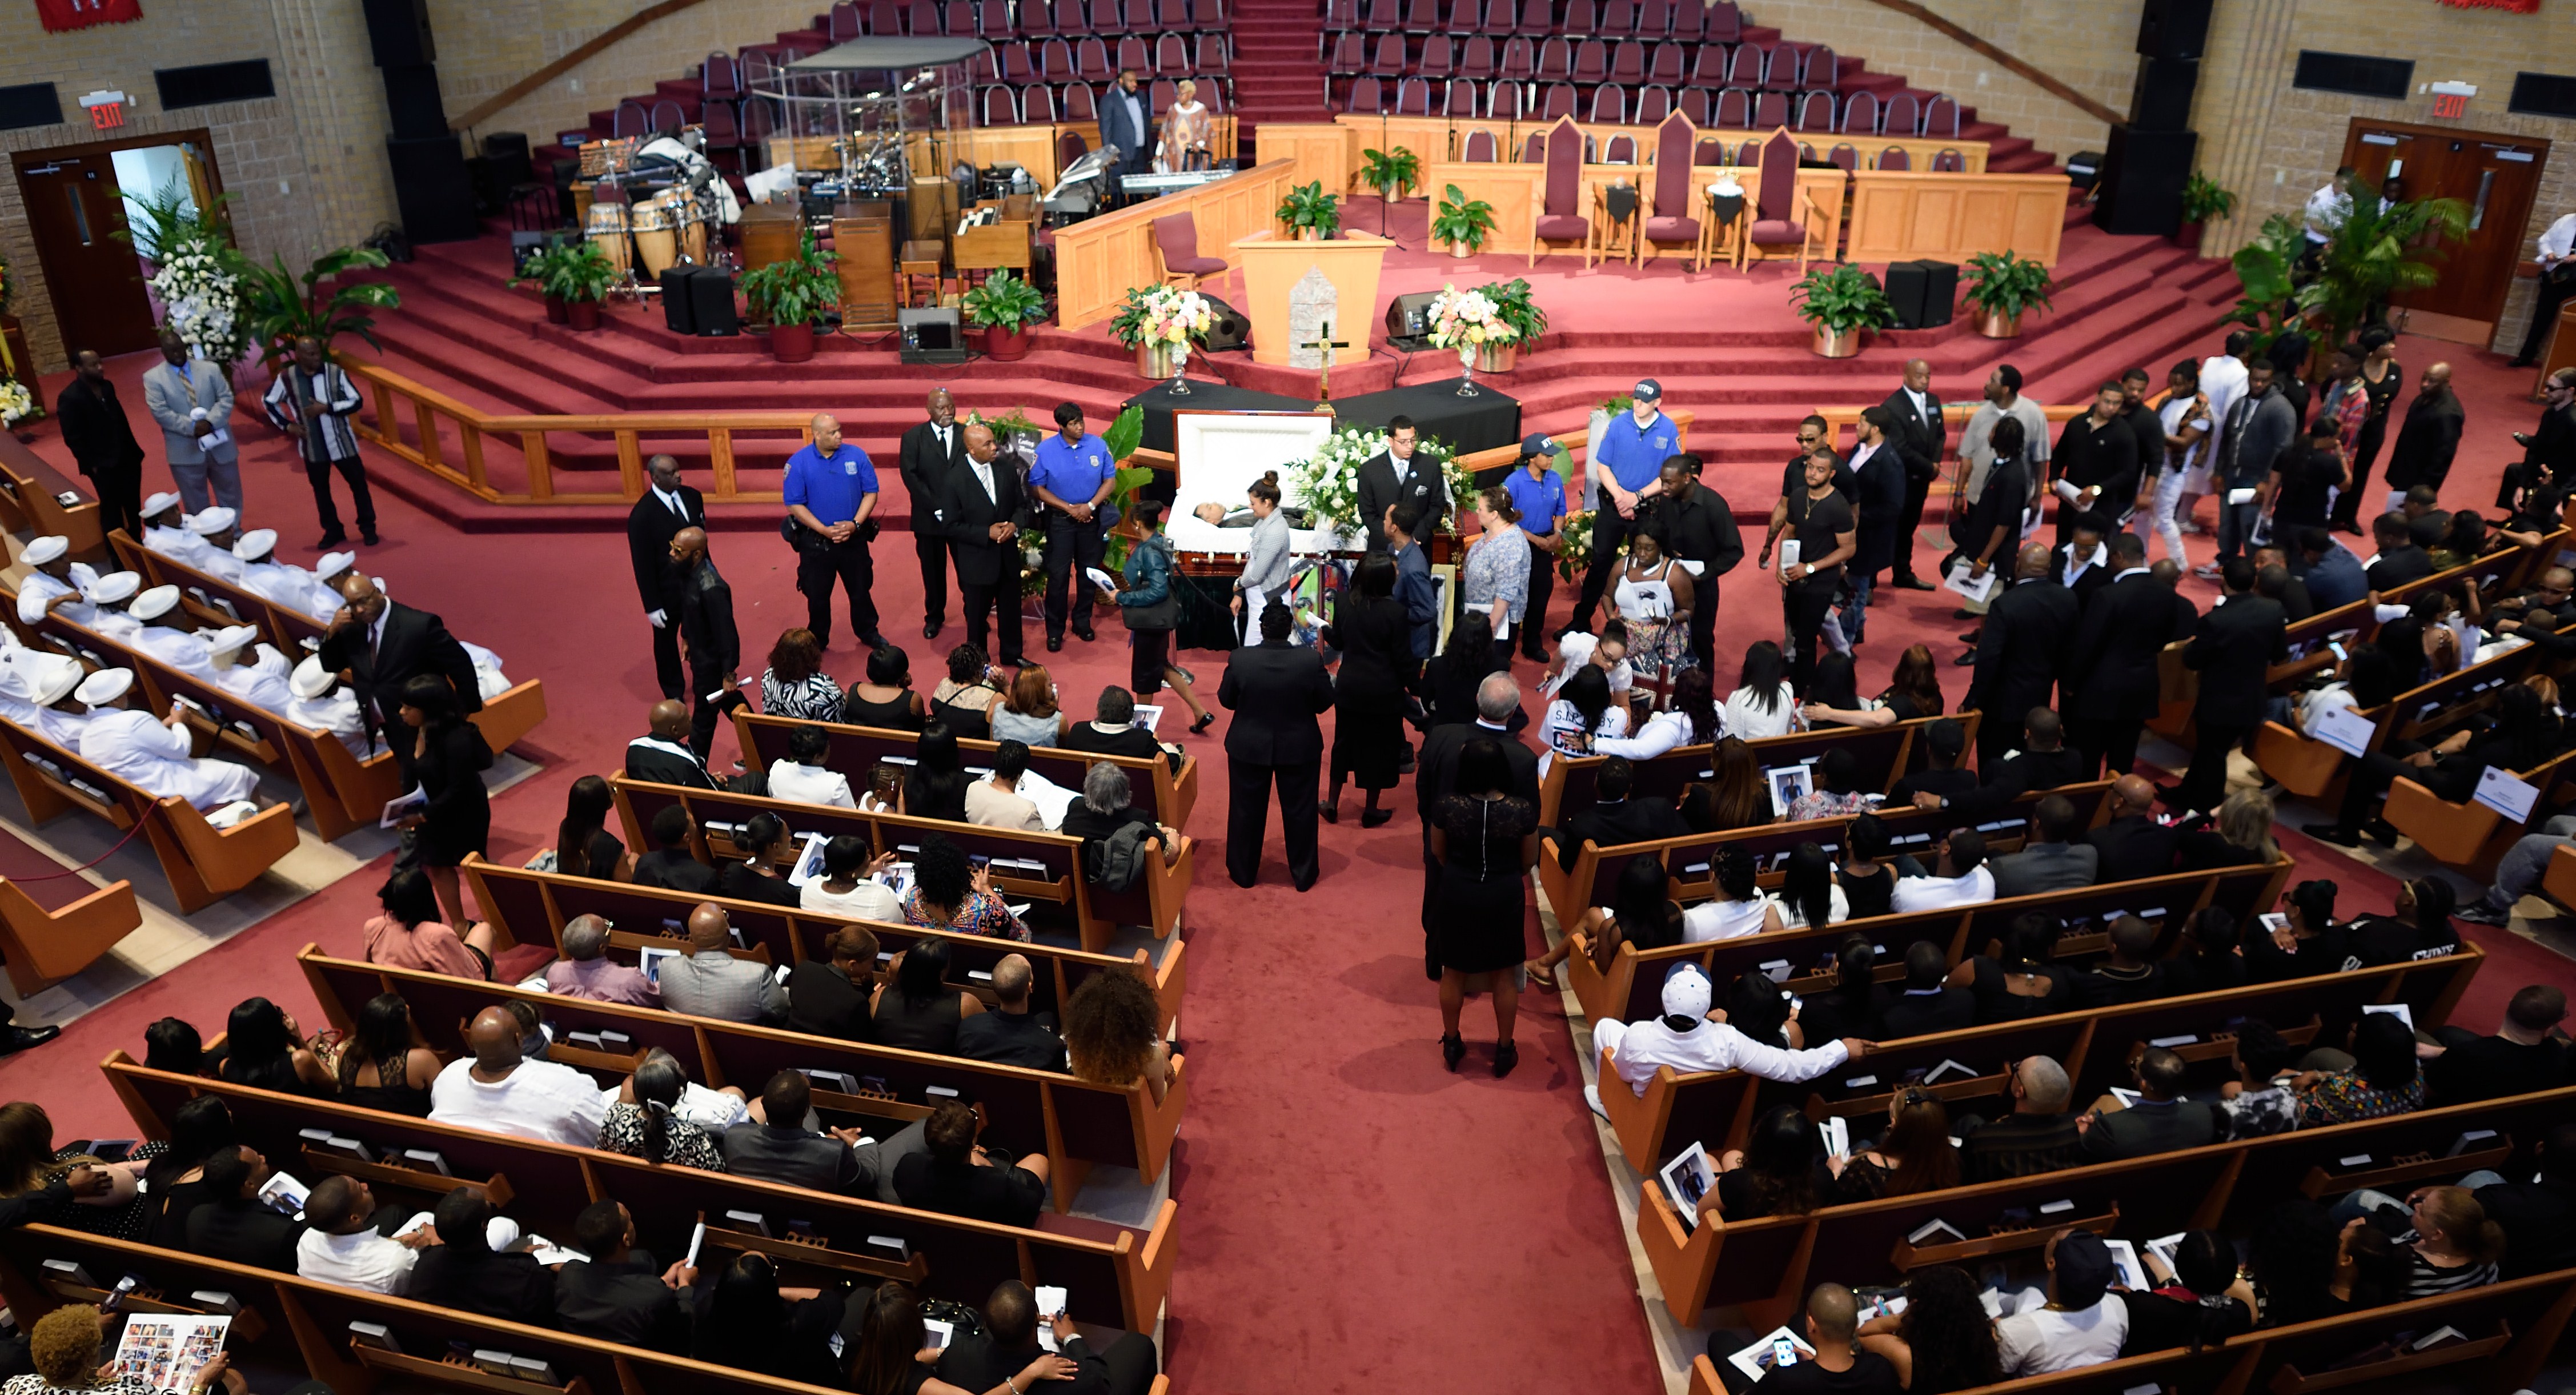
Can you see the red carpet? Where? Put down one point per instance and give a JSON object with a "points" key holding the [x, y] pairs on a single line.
{"points": [[1351, 1216]]}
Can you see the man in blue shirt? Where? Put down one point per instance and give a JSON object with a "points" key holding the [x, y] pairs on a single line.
{"points": [[1072, 479], [2333, 574], [1538, 491], [1627, 470], [1413, 584], [830, 492]]}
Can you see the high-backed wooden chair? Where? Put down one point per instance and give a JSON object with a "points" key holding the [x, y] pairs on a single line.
{"points": [[1176, 253], [1668, 220], [1783, 216], [1560, 209]]}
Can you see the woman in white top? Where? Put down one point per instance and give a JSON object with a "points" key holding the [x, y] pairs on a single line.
{"points": [[2185, 416], [1188, 130], [1762, 703], [1266, 559], [1653, 590], [1692, 720], [1028, 713], [848, 886], [1740, 908], [804, 776], [1581, 714], [1606, 651], [1808, 887]]}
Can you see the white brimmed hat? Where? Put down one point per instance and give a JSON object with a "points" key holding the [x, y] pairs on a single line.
{"points": [[49, 548], [228, 641], [159, 503], [116, 588], [255, 544], [105, 686], [331, 564], [55, 680], [155, 603], [310, 679], [212, 521]]}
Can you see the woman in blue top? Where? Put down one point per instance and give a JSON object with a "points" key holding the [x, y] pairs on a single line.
{"points": [[1152, 610]]}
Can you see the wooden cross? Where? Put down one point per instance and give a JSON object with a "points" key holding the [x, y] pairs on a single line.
{"points": [[1327, 343]]}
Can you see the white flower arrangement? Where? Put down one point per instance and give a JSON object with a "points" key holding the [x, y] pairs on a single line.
{"points": [[204, 300], [1162, 315], [1327, 484], [1467, 320], [16, 403]]}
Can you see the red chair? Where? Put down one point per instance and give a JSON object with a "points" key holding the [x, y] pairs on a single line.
{"points": [[1734, 109], [1669, 219], [724, 134], [957, 18], [1783, 215], [1212, 56], [633, 121], [1579, 21], [992, 19], [1479, 149], [1159, 95], [720, 80], [1421, 16], [1895, 158], [1708, 66], [1780, 69], [1618, 19], [1949, 161], [1690, 22], [1176, 248], [1844, 156], [1665, 65], [1771, 109], [1091, 60], [1555, 61], [988, 66], [1709, 151], [1037, 106], [1860, 114], [884, 17], [1621, 150], [1343, 15], [1591, 61], [1654, 19], [1941, 119], [1534, 150], [1557, 102], [1132, 55], [1537, 18], [1560, 213], [1506, 101], [1388, 61], [1822, 70], [1518, 65], [1609, 104], [1653, 105], [1350, 55], [1208, 15], [1744, 67], [1476, 58], [1000, 107], [1458, 100], [668, 117], [1903, 116], [922, 19], [1413, 97], [1077, 102], [1171, 57], [1724, 23], [1815, 111], [1365, 99], [1172, 15], [1694, 106], [1069, 147], [1465, 17], [844, 22], [1138, 17], [1384, 16], [1628, 62], [1055, 61], [1439, 59]]}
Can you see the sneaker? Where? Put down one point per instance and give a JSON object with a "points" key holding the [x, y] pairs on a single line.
{"points": [[2207, 571], [1592, 1100], [2480, 913]]}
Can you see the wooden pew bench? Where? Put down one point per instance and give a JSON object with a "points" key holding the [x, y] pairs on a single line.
{"points": [[1153, 785], [43, 947], [2312, 769], [32, 501], [1885, 754], [203, 863]]}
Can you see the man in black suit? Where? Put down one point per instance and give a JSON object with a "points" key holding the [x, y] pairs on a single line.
{"points": [[1947, 774], [665, 757], [2549, 449], [464, 1272], [1436, 774], [2111, 672], [666, 508], [1879, 485], [983, 509], [1919, 434], [778, 1147], [1699, 527], [929, 453], [2157, 1123], [377, 645], [706, 628], [1126, 128], [1615, 820], [2018, 653], [1276, 689], [2131, 975], [2401, 560], [829, 998], [617, 1294], [2133, 845], [2238, 643], [1396, 475], [1009, 1346], [1927, 1003], [672, 863], [2042, 763], [237, 1226], [1008, 1032]]}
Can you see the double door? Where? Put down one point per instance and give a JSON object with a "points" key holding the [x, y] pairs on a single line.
{"points": [[2496, 176]]}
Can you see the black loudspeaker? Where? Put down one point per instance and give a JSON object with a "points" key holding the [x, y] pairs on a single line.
{"points": [[399, 31], [1922, 292], [2173, 28], [411, 100], [711, 302], [1227, 326], [1408, 320], [2161, 98], [508, 152], [679, 306], [431, 189], [2142, 177], [931, 335], [2083, 167]]}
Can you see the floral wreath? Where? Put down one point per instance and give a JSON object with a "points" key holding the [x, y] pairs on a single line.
{"points": [[1327, 483]]}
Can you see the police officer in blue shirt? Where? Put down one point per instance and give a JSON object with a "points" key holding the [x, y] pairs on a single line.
{"points": [[830, 492], [1072, 478], [1626, 469], [1538, 491]]}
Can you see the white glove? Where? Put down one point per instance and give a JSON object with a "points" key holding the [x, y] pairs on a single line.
{"points": [[658, 618]]}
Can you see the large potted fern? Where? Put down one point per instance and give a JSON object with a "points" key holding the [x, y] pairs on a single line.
{"points": [[1839, 303], [2003, 287], [794, 294]]}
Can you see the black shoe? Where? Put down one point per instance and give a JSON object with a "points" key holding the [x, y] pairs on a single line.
{"points": [[874, 639], [2346, 525], [2522, 363], [1086, 635], [1533, 656], [1331, 812], [1914, 583], [1966, 659], [2332, 833], [332, 539], [1373, 818], [1506, 1055], [1453, 1049], [930, 629], [1055, 644], [20, 1038], [369, 538], [2381, 831], [1206, 720], [1969, 636], [1963, 613]]}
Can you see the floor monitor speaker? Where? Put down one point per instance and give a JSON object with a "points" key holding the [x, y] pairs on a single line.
{"points": [[1922, 292], [932, 334], [1408, 321], [711, 302], [1228, 328]]}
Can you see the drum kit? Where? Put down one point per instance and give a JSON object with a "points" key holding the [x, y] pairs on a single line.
{"points": [[650, 234]]}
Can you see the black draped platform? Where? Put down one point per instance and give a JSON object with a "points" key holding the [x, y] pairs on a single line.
{"points": [[1159, 404], [1482, 422]]}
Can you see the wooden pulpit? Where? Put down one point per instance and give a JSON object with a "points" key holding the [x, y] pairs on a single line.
{"points": [[1288, 308]]}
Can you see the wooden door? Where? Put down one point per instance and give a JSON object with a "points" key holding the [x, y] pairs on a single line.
{"points": [[92, 276], [2496, 176]]}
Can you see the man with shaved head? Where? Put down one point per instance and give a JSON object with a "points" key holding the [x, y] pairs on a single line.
{"points": [[831, 496], [2429, 437], [499, 1091], [2132, 844], [1833, 1362], [2029, 628], [1008, 1032], [931, 451], [2039, 1135], [377, 645], [710, 982], [667, 507], [982, 511], [707, 631]]}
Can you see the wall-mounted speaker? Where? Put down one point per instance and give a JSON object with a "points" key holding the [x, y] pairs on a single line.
{"points": [[2142, 178], [2173, 28], [432, 190]]}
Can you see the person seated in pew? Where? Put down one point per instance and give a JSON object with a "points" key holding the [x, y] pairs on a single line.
{"points": [[2239, 836], [1112, 731], [915, 1007], [1734, 796], [56, 583], [1113, 1033], [1029, 710], [1834, 1363], [252, 672], [950, 892], [1686, 1039], [829, 997], [1833, 696], [62, 1357], [1927, 1003], [2023, 980], [2082, 1324], [1944, 1339], [1615, 820], [37, 693], [497, 1089], [1108, 803], [2273, 582], [2527, 1053], [1959, 878], [586, 971], [344, 1244], [109, 600], [1007, 1352], [884, 699], [264, 1049], [1760, 1008], [235, 1225], [780, 1144], [218, 528], [1947, 743], [2398, 560], [2384, 1078], [1837, 792], [2418, 926], [2540, 1214], [882, 1332], [465, 1272], [1867, 878], [1690, 720], [2554, 595], [2366, 677], [1738, 909], [803, 776], [2043, 763], [184, 650], [2051, 860], [673, 864], [2306, 944], [173, 1045], [966, 697], [995, 802], [407, 932], [849, 885], [1808, 897], [2258, 1102], [2131, 844], [264, 576], [318, 701], [646, 1126], [1780, 1171], [2159, 1122], [380, 1068], [2526, 734], [2448, 1244], [2306, 1264], [618, 1295], [744, 1318], [934, 785], [663, 755], [956, 1176], [757, 878], [2131, 975], [1851, 1007], [1009, 1033], [2039, 1135], [1641, 912], [166, 531], [710, 982], [153, 753], [1911, 1156]]}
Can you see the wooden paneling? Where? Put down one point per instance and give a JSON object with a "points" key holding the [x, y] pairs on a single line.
{"points": [[1272, 267], [1436, 140], [1516, 192], [1899, 217], [1099, 259], [1323, 152]]}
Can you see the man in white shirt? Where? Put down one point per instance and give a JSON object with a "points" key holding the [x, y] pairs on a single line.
{"points": [[1686, 1040], [2327, 208], [341, 1245], [500, 1092], [165, 530], [2557, 282], [997, 802], [152, 753], [214, 528], [108, 600], [1963, 878], [57, 583], [2222, 380], [2082, 1324], [321, 703], [803, 776]]}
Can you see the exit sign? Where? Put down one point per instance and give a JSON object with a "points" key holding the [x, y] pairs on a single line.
{"points": [[2451, 99], [106, 110]]}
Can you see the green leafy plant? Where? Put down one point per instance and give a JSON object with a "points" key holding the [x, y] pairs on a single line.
{"points": [[281, 306], [2000, 283], [2375, 254], [1516, 305], [799, 290], [1122, 438], [1004, 302], [1615, 405], [1398, 171], [1574, 545], [1307, 208], [1462, 221], [579, 274], [532, 273], [2203, 201], [2269, 306], [170, 219], [1842, 299]]}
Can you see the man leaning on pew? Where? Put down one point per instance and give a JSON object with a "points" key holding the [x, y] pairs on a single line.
{"points": [[1686, 1040]]}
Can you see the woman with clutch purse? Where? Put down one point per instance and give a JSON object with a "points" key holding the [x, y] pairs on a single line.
{"points": [[1152, 610]]}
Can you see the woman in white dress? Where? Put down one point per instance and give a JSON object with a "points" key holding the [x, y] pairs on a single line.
{"points": [[1762, 703], [1188, 133], [1653, 589], [1738, 909]]}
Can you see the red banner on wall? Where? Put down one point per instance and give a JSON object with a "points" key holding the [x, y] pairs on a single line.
{"points": [[60, 15], [2520, 7]]}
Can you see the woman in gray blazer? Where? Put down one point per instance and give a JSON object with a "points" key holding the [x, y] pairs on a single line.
{"points": [[1266, 565]]}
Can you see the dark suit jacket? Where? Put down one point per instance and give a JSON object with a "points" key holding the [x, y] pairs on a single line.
{"points": [[2399, 565], [1276, 690], [2237, 644], [1116, 127], [1422, 488], [706, 623], [96, 430], [1612, 825], [2093, 582], [2144, 1128], [625, 1303], [2133, 846], [415, 642], [1920, 441], [512, 1286], [2111, 673], [2019, 650], [1421, 599], [650, 526], [925, 467], [2045, 867], [968, 514], [664, 768], [2106, 986], [822, 1000], [244, 1232], [2426, 442], [785, 1153], [976, 1362], [1910, 1015], [1879, 495], [1010, 1038], [2020, 1145], [675, 869], [1436, 769]]}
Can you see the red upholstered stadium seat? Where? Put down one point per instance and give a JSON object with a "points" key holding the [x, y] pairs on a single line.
{"points": [[1860, 114], [1388, 60], [1438, 58], [1744, 67], [1654, 19], [1479, 149], [1609, 104], [1709, 151], [1534, 149], [1518, 65], [1171, 57], [999, 107], [1350, 55], [1557, 101], [1620, 150], [720, 80], [1895, 158], [633, 121], [1843, 155], [667, 118], [992, 19], [921, 19], [843, 23], [1037, 105], [1941, 119], [1903, 116], [1132, 55], [1538, 17], [1618, 19], [1476, 57], [884, 17], [1690, 22], [1076, 102], [1724, 23], [1208, 15], [1342, 15], [1499, 16], [724, 130], [1823, 70], [1365, 98], [1212, 95], [1458, 100], [1693, 105], [1949, 161], [1212, 55], [1091, 59], [1413, 97], [1580, 22], [1555, 60], [1708, 66], [1665, 65], [1172, 15], [1159, 95], [1628, 61], [1506, 101], [1771, 109], [1815, 111], [1591, 61], [1653, 105], [1734, 109], [1385, 16], [1421, 16]]}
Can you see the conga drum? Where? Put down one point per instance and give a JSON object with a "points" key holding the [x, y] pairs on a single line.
{"points": [[657, 241], [691, 212], [607, 229]]}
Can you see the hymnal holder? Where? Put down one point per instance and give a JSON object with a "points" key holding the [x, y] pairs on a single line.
{"points": [[496, 1190], [1909, 1256], [2398, 1172], [912, 1270]]}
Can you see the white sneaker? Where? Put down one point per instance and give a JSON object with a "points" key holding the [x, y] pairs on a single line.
{"points": [[1592, 1097]]}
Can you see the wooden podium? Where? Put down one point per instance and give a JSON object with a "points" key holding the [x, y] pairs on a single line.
{"points": [[1273, 267]]}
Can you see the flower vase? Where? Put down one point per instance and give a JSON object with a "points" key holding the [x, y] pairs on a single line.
{"points": [[1180, 361], [1154, 359], [1498, 357], [1467, 370]]}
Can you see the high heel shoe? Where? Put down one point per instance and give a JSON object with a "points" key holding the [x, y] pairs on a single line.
{"points": [[1453, 1049], [1506, 1056], [1206, 720]]}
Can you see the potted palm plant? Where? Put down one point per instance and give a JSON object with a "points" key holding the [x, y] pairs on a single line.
{"points": [[2376, 253], [283, 306], [2003, 287], [2203, 201], [1005, 306], [1391, 173], [1840, 303], [1310, 213], [794, 295], [1462, 222], [579, 276]]}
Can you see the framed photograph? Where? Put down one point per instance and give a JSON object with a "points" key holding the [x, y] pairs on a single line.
{"points": [[1787, 783], [1444, 585]]}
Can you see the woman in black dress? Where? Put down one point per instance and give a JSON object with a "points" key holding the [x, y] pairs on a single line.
{"points": [[936, 786], [1484, 840], [381, 1069], [1378, 668], [448, 760], [1450, 680], [583, 845]]}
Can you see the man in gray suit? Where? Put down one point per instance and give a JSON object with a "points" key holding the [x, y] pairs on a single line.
{"points": [[193, 400], [2053, 861]]}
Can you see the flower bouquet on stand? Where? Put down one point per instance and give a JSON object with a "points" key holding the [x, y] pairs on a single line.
{"points": [[16, 403], [1574, 545], [1159, 322], [1467, 321], [1327, 484]]}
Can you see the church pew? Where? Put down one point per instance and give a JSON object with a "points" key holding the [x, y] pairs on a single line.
{"points": [[1078, 1125], [1717, 1107], [2468, 836], [1154, 786], [1117, 1282], [1884, 754], [2559, 881], [2313, 770], [531, 908], [42, 947], [32, 501], [1052, 869], [204, 863]]}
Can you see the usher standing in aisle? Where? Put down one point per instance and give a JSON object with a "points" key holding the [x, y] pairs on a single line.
{"points": [[313, 401], [1072, 478], [930, 452], [1627, 468], [667, 507], [831, 495]]}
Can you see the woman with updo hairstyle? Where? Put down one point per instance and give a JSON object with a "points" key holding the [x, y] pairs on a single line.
{"points": [[646, 1126], [1149, 601], [1498, 567], [1738, 909], [884, 699], [964, 700], [1266, 561]]}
